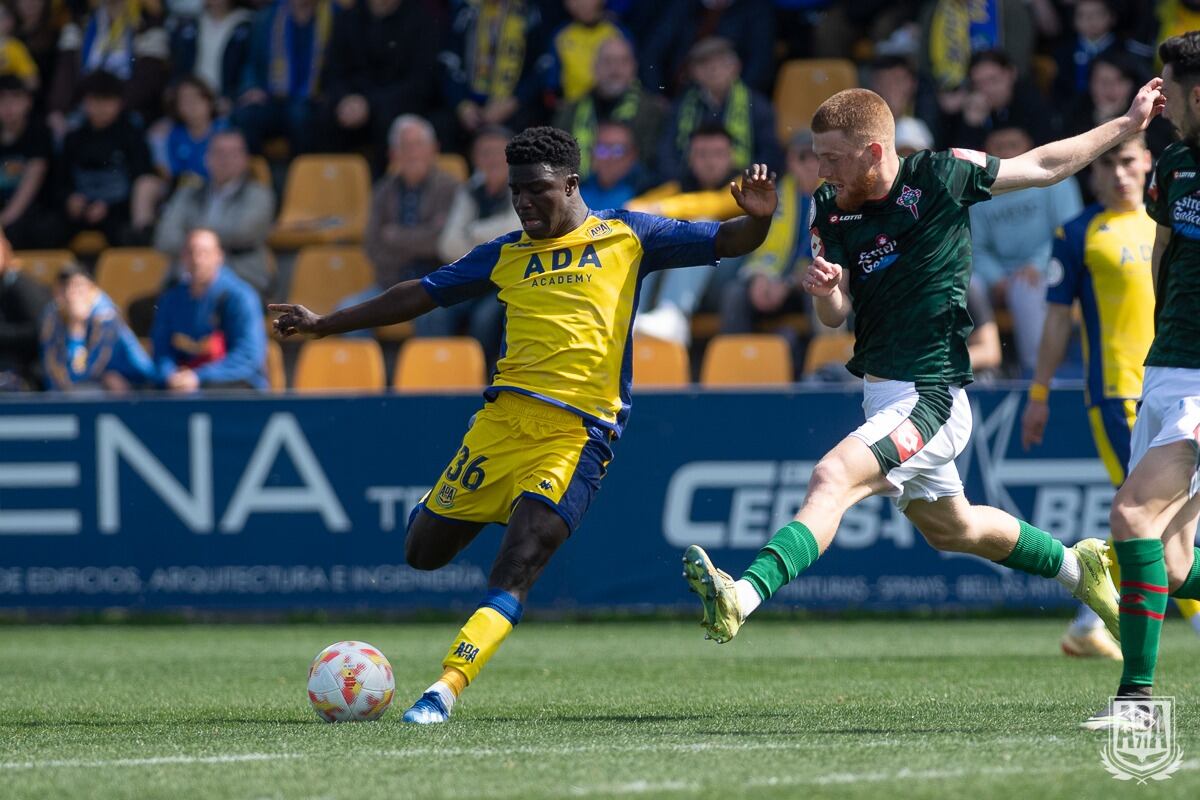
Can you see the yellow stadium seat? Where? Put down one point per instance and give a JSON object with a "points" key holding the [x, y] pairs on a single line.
{"points": [[805, 83], [451, 363], [260, 171], [130, 273], [43, 265], [88, 243], [275, 372], [454, 164], [752, 359], [340, 365], [831, 348], [326, 199], [659, 363], [326, 274]]}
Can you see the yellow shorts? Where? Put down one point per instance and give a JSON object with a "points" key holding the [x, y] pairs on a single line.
{"points": [[521, 447]]}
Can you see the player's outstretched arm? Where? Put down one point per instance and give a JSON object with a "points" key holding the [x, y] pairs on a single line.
{"points": [[756, 196], [402, 302], [1053, 162]]}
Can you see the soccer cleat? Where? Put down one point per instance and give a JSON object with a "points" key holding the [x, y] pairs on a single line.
{"points": [[1127, 719], [428, 710], [1095, 585], [721, 616], [1094, 643]]}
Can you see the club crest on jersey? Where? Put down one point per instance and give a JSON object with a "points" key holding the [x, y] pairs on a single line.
{"points": [[599, 230], [445, 497], [909, 197]]}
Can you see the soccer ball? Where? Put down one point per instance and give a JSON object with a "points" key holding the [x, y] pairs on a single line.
{"points": [[350, 682]]}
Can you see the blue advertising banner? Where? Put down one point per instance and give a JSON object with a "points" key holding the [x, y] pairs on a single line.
{"points": [[295, 502]]}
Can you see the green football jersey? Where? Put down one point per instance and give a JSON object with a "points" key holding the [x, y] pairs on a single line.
{"points": [[909, 259], [1173, 199]]}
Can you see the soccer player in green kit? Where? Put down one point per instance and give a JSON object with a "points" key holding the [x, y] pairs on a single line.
{"points": [[891, 240]]}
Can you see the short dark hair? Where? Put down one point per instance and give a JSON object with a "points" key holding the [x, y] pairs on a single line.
{"points": [[1182, 54], [997, 57], [69, 271], [11, 83], [893, 62], [710, 129], [197, 83], [1125, 63], [101, 84], [553, 147]]}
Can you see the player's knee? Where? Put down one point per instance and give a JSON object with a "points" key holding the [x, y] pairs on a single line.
{"points": [[827, 484], [946, 537], [1126, 519]]}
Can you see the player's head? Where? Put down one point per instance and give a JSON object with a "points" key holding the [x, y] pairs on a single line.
{"points": [[1180, 56], [853, 132], [1009, 141], [1119, 174], [543, 174], [710, 155]]}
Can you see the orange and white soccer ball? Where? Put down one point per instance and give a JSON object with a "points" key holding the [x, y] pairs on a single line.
{"points": [[350, 682]]}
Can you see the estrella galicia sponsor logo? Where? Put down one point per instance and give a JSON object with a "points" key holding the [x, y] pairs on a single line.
{"points": [[1185, 216], [909, 197], [1183, 173], [834, 219], [1146, 754], [880, 258]]}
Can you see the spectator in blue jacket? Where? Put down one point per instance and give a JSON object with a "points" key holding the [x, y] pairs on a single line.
{"points": [[208, 331], [84, 342]]}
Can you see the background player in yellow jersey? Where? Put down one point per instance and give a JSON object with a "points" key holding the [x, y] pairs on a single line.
{"points": [[1102, 259], [534, 456]]}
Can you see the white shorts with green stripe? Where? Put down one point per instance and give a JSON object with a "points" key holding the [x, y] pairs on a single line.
{"points": [[916, 432]]}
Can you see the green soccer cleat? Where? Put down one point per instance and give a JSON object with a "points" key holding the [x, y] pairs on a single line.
{"points": [[1095, 587], [715, 587]]}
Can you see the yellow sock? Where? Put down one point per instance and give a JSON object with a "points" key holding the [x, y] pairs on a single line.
{"points": [[479, 639], [455, 680], [1188, 608]]}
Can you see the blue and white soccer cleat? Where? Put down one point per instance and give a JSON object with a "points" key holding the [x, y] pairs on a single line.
{"points": [[428, 710]]}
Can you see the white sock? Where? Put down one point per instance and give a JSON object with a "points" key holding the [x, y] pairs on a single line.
{"points": [[1069, 573], [1085, 621], [748, 599], [445, 693]]}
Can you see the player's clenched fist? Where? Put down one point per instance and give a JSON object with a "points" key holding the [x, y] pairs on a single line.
{"points": [[822, 277]]}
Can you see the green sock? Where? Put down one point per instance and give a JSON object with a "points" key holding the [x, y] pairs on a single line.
{"points": [[1190, 590], [1143, 604], [1037, 552], [791, 551]]}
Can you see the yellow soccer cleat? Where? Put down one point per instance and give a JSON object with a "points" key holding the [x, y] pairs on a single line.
{"points": [[715, 587], [1095, 587], [1095, 643]]}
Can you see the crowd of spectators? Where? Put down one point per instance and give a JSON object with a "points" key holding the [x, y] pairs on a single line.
{"points": [[136, 121]]}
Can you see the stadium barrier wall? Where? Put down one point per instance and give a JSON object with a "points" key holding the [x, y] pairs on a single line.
{"points": [[301, 503]]}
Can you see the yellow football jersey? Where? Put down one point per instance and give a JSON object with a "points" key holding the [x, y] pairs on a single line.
{"points": [[570, 301], [1103, 259]]}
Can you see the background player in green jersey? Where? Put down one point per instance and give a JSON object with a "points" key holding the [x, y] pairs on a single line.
{"points": [[1155, 512], [891, 239]]}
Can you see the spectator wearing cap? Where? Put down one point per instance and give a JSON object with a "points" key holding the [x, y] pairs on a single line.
{"points": [[106, 178], [84, 342], [22, 300], [912, 135], [214, 47], [719, 96], [997, 98], [616, 96], [25, 156], [664, 47], [617, 176], [1012, 239]]}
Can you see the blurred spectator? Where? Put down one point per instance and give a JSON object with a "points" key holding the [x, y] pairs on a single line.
{"points": [[617, 176], [747, 25], [1113, 79], [955, 31], [569, 69], [22, 299], [912, 135], [996, 99], [178, 144], [231, 204], [1094, 23], [15, 59], [895, 79], [84, 342], [766, 285], [287, 50], [669, 298], [25, 157], [1012, 239], [983, 345], [888, 24], [124, 38], [214, 47], [37, 25], [490, 64], [106, 176], [617, 96], [208, 330], [718, 95], [380, 65]]}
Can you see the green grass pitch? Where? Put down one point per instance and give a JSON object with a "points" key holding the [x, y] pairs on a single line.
{"points": [[910, 709]]}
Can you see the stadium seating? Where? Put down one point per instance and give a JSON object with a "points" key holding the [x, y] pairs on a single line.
{"points": [[454, 164], [43, 265], [326, 199], [803, 84], [326, 274], [452, 363], [754, 359], [833, 348], [130, 273], [340, 365], [275, 371], [658, 363], [260, 171]]}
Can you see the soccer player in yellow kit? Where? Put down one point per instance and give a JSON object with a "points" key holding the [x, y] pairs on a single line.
{"points": [[1102, 258], [533, 458]]}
